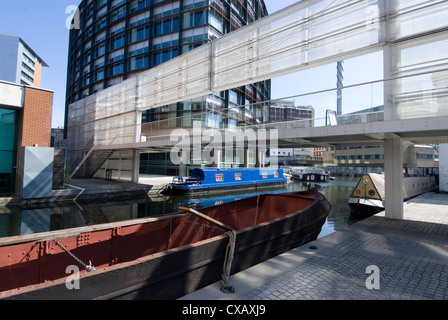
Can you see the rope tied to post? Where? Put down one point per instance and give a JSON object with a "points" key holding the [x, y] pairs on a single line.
{"points": [[230, 250]]}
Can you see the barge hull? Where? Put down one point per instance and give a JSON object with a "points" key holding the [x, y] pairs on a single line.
{"points": [[213, 189], [369, 195], [173, 273]]}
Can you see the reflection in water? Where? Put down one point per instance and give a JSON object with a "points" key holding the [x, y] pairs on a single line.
{"points": [[35, 220]]}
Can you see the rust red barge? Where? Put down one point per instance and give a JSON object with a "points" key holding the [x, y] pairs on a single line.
{"points": [[159, 258]]}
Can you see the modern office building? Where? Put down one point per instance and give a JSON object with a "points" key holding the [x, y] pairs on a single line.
{"points": [[120, 39], [417, 159], [18, 62], [282, 111]]}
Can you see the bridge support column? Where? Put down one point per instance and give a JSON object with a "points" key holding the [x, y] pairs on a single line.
{"points": [[443, 165], [136, 167], [183, 171], [393, 165], [260, 158]]}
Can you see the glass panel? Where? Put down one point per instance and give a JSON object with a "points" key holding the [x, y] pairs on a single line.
{"points": [[7, 150], [416, 17], [421, 70]]}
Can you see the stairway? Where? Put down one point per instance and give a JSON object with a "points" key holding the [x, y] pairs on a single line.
{"points": [[91, 163]]}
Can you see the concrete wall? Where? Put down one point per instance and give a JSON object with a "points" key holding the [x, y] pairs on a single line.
{"points": [[443, 167], [121, 165], [11, 95]]}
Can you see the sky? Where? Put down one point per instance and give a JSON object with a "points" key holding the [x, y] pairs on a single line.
{"points": [[42, 25]]}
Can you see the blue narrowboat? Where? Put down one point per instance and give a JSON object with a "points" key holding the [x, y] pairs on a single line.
{"points": [[205, 180]]}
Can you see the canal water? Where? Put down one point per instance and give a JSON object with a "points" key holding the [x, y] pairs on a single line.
{"points": [[15, 222]]}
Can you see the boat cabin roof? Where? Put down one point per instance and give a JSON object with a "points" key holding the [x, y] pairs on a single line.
{"points": [[244, 173]]}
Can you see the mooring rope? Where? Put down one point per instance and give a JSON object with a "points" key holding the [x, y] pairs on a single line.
{"points": [[230, 250]]}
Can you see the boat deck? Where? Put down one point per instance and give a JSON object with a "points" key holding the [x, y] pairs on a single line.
{"points": [[411, 255]]}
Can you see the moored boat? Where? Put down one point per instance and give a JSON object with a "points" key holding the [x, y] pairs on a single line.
{"points": [[159, 258], [311, 175], [369, 194], [211, 179]]}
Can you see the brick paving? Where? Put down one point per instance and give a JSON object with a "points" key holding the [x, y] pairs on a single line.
{"points": [[411, 256]]}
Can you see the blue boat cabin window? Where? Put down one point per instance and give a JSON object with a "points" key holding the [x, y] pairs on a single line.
{"points": [[238, 177], [219, 177], [265, 175], [276, 174]]}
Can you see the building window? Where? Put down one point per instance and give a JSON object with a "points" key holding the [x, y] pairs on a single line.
{"points": [[117, 68], [27, 77], [116, 43], [425, 156], [99, 51], [101, 24], [8, 135], [166, 26], [29, 60], [138, 5], [165, 55], [217, 22], [98, 75], [195, 18], [100, 3], [372, 157], [139, 34], [27, 68], [118, 14], [139, 63]]}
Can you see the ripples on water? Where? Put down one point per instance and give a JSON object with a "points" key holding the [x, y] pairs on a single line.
{"points": [[35, 220]]}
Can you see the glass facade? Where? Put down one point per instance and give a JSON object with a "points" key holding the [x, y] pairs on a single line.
{"points": [[120, 39], [8, 151]]}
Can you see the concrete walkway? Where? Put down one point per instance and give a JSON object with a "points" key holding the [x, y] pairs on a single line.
{"points": [[377, 258], [98, 189], [157, 182], [86, 189]]}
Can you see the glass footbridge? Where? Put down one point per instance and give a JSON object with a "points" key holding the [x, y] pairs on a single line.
{"points": [[411, 35]]}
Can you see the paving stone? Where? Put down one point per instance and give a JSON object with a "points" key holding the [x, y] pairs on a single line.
{"points": [[412, 256]]}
